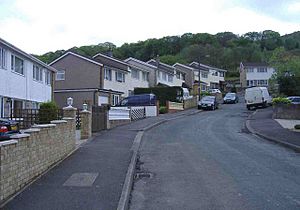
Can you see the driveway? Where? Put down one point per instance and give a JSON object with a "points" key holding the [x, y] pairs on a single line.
{"points": [[209, 161]]}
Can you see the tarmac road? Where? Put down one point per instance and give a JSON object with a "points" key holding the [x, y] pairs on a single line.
{"points": [[209, 161]]}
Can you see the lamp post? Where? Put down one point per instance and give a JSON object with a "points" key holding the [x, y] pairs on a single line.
{"points": [[199, 77]]}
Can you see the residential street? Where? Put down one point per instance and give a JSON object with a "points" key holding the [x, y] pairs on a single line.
{"points": [[209, 161]]}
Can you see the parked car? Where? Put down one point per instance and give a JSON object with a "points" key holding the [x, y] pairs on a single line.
{"points": [[230, 98], [208, 102], [257, 97], [139, 100], [7, 128], [294, 99], [214, 90]]}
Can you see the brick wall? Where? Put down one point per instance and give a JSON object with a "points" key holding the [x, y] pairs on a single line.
{"points": [[30, 154]]}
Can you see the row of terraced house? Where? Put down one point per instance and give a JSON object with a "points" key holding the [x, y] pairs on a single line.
{"points": [[25, 81]]}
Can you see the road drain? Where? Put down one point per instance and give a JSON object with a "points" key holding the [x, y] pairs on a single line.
{"points": [[141, 175]]}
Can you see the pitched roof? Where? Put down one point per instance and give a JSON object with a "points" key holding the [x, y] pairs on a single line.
{"points": [[205, 67], [28, 56], [111, 61], [162, 66], [183, 66], [140, 62], [255, 64], [77, 55]]}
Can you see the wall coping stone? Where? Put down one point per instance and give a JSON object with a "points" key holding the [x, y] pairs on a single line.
{"points": [[20, 136], [8, 142], [69, 108], [85, 112], [58, 121], [32, 130], [68, 118], [43, 126]]}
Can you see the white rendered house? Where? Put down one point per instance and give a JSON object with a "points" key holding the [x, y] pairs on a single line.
{"points": [[25, 81], [255, 74]]}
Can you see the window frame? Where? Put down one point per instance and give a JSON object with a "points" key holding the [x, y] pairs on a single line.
{"points": [[3, 58], [48, 77], [121, 78], [135, 75], [37, 72], [13, 65], [59, 72], [204, 75], [107, 74], [145, 76]]}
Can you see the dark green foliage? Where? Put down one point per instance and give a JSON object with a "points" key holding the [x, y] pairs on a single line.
{"points": [[163, 94], [163, 110], [48, 111], [280, 100], [226, 50], [289, 85]]}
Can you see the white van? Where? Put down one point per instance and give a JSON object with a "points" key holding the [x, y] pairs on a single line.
{"points": [[257, 96]]}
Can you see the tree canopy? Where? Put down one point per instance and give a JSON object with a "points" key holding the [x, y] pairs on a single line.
{"points": [[224, 50]]}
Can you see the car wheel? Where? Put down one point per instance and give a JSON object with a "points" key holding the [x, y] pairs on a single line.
{"points": [[199, 107]]}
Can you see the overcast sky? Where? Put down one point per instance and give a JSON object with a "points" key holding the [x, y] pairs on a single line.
{"points": [[39, 26]]}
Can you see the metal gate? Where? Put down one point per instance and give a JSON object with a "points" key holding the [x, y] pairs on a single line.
{"points": [[99, 118]]}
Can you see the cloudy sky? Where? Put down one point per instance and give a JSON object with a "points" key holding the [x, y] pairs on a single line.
{"points": [[39, 26]]}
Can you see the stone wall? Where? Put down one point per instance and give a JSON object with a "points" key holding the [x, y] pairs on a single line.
{"points": [[286, 111], [190, 103], [115, 123], [30, 154]]}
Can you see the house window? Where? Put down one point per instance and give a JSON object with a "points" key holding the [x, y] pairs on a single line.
{"points": [[107, 74], [164, 76], [135, 74], [204, 74], [203, 87], [262, 82], [115, 99], [37, 73], [170, 78], [222, 74], [250, 70], [60, 75], [17, 64], [183, 76], [215, 73], [262, 70], [2, 58], [177, 74], [145, 76], [120, 77], [48, 77]]}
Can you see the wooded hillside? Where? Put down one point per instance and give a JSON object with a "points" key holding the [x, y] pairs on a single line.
{"points": [[224, 50]]}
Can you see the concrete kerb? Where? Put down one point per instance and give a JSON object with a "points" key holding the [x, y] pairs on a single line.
{"points": [[128, 184], [269, 138]]}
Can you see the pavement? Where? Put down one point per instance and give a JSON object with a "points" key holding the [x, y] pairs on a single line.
{"points": [[93, 176], [210, 161], [262, 124]]}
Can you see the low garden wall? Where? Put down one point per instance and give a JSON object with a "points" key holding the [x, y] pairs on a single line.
{"points": [[286, 111], [190, 103], [28, 155]]}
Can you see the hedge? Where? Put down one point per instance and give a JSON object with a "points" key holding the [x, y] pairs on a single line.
{"points": [[48, 111]]}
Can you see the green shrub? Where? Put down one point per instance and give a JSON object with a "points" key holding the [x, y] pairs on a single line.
{"points": [[205, 93], [297, 126], [163, 110], [48, 111], [280, 100]]}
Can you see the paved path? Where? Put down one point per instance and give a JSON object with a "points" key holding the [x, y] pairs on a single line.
{"points": [[92, 177], [209, 161], [261, 122]]}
